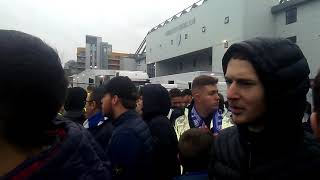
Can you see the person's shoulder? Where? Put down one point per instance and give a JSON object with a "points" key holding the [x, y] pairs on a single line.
{"points": [[230, 131], [227, 137], [71, 154], [183, 117], [130, 127], [160, 120]]}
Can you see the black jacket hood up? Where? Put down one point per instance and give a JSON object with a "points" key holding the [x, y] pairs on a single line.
{"points": [[156, 101], [284, 73]]}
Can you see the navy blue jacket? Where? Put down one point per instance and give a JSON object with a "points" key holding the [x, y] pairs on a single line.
{"points": [[130, 147], [75, 155]]}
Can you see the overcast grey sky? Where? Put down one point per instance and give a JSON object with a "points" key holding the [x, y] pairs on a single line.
{"points": [[63, 24]]}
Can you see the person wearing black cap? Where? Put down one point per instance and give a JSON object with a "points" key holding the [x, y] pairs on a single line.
{"points": [[268, 141], [131, 145]]}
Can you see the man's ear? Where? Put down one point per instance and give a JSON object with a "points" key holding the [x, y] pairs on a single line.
{"points": [[94, 104], [315, 125], [196, 94], [115, 100]]}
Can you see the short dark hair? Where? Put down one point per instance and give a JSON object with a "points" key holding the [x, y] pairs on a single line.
{"points": [[175, 92], [203, 80], [97, 95], [124, 88], [90, 88], [186, 92], [194, 149], [34, 85], [221, 102], [240, 56], [76, 99]]}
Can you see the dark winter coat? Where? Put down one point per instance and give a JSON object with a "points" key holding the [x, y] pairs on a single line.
{"points": [[75, 155], [282, 150], [75, 116], [130, 148], [156, 105]]}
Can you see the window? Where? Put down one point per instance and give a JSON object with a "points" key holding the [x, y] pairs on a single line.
{"points": [[181, 66], [171, 42], [194, 63], [293, 39], [225, 44], [226, 20], [291, 15], [204, 29], [210, 61], [186, 36]]}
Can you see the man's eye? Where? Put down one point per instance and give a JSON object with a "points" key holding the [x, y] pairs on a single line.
{"points": [[228, 82], [246, 83]]}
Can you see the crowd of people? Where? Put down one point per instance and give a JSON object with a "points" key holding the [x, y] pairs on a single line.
{"points": [[263, 130]]}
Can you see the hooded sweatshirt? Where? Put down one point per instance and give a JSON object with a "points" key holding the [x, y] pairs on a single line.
{"points": [[156, 105], [281, 150]]}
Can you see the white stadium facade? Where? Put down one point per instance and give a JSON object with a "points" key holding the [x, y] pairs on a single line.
{"points": [[193, 41]]}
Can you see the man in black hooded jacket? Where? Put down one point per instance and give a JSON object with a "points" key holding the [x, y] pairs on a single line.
{"points": [[156, 105], [268, 141]]}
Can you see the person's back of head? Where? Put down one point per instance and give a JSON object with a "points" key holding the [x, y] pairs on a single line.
{"points": [[34, 89], [76, 99], [90, 88], [120, 95], [194, 149], [156, 101]]}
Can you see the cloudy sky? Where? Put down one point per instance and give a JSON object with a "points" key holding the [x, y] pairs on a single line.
{"points": [[63, 24]]}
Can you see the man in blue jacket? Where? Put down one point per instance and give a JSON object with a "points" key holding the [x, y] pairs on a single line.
{"points": [[130, 147], [96, 123]]}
